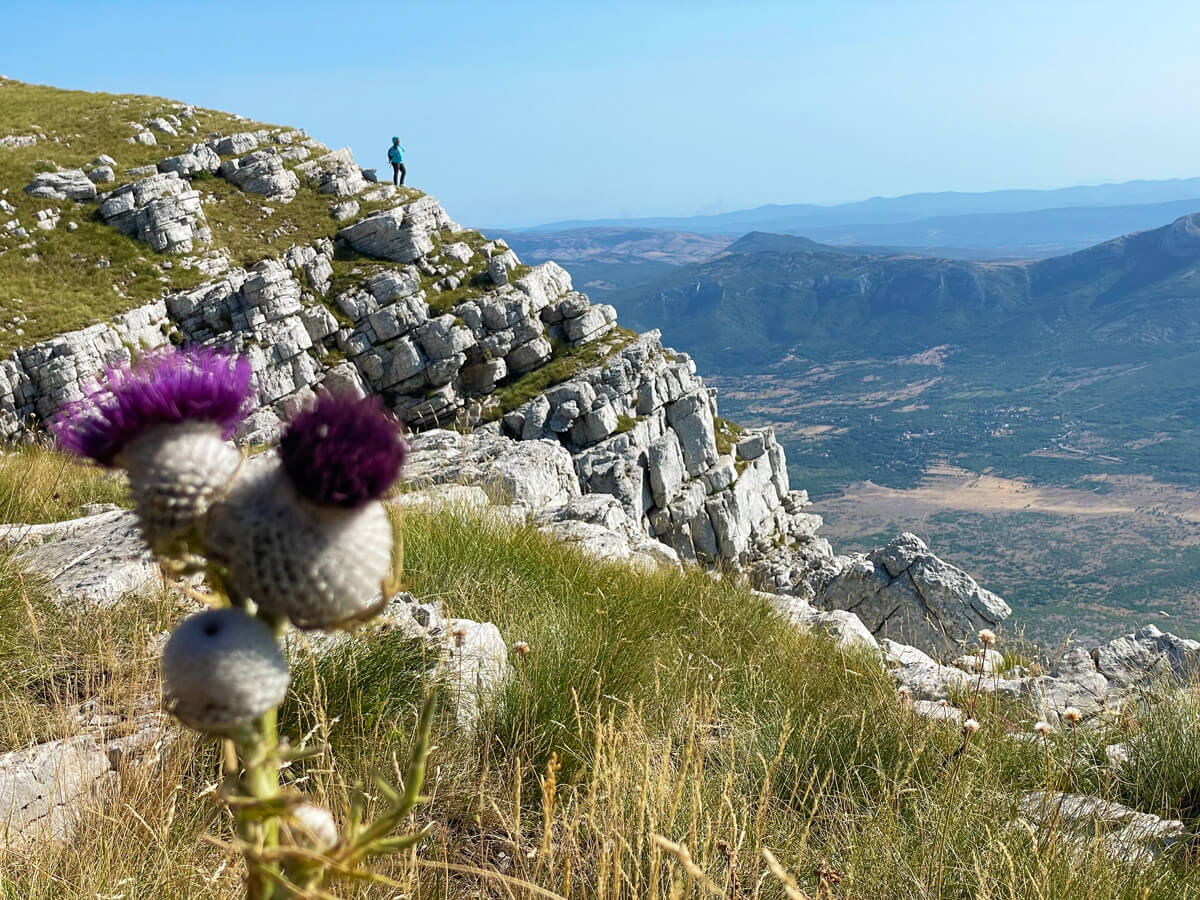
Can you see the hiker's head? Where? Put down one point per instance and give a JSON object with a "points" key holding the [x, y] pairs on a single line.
{"points": [[395, 140]]}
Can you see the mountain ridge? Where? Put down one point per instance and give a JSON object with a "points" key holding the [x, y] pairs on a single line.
{"points": [[879, 210]]}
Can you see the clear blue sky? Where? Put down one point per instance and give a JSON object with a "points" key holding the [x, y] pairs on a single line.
{"points": [[516, 113]]}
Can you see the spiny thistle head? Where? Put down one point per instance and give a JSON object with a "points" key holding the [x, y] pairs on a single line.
{"points": [[317, 566], [221, 670], [1071, 715], [344, 451], [987, 637], [162, 388]]}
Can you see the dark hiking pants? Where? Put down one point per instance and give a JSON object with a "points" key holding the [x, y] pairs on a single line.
{"points": [[398, 173]]}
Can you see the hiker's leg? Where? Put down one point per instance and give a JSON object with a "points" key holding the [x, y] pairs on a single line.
{"points": [[395, 172], [403, 172]]}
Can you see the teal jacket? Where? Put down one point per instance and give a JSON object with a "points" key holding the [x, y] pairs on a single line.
{"points": [[395, 154]]}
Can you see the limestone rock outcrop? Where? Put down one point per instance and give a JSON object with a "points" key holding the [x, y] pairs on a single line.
{"points": [[96, 560], [902, 591], [65, 184], [262, 172], [162, 210]]}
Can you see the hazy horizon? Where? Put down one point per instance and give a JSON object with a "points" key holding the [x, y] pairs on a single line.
{"points": [[522, 115]]}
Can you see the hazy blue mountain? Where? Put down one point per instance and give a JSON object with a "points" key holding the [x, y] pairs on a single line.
{"points": [[908, 208], [1030, 234], [767, 296]]}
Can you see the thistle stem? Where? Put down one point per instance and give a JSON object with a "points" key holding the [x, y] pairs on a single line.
{"points": [[261, 781]]}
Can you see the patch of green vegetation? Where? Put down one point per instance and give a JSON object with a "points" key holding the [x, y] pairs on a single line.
{"points": [[64, 288], [442, 303], [565, 362], [726, 434], [51, 660], [644, 703], [42, 485], [626, 424]]}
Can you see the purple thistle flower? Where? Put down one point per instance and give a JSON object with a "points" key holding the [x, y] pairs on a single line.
{"points": [[163, 388], [343, 452]]}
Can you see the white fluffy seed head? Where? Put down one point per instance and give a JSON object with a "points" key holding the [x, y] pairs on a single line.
{"points": [[1071, 715], [175, 473], [319, 567], [1043, 728], [987, 637], [970, 727], [311, 826], [221, 670]]}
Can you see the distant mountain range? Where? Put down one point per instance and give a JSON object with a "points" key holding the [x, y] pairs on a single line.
{"points": [[987, 225], [767, 296]]}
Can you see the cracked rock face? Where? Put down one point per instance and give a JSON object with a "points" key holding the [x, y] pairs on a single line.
{"points": [[96, 560], [69, 184], [903, 592]]}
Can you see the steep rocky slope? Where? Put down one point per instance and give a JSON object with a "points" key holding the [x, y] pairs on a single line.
{"points": [[360, 286]]}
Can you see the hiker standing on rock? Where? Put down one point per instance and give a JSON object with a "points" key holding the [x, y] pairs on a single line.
{"points": [[396, 158]]}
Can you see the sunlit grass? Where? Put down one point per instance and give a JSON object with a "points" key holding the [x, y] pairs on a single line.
{"points": [[649, 707]]}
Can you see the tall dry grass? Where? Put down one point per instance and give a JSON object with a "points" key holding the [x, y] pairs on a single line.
{"points": [[38, 484], [665, 736]]}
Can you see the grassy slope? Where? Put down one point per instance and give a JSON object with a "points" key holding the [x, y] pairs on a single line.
{"points": [[64, 289], [665, 704]]}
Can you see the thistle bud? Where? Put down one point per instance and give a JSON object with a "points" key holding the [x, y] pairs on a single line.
{"points": [[221, 670], [304, 535], [175, 474], [311, 826], [318, 567], [163, 420]]}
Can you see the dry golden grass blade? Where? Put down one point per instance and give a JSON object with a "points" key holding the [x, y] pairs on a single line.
{"points": [[780, 874], [684, 856]]}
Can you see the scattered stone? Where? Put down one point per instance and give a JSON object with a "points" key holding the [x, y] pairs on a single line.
{"points": [[334, 173], [844, 627], [68, 184], [97, 560], [45, 789], [234, 144], [46, 219], [403, 234], [198, 158], [163, 125], [1125, 834], [102, 175], [346, 209], [18, 140], [160, 210]]}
